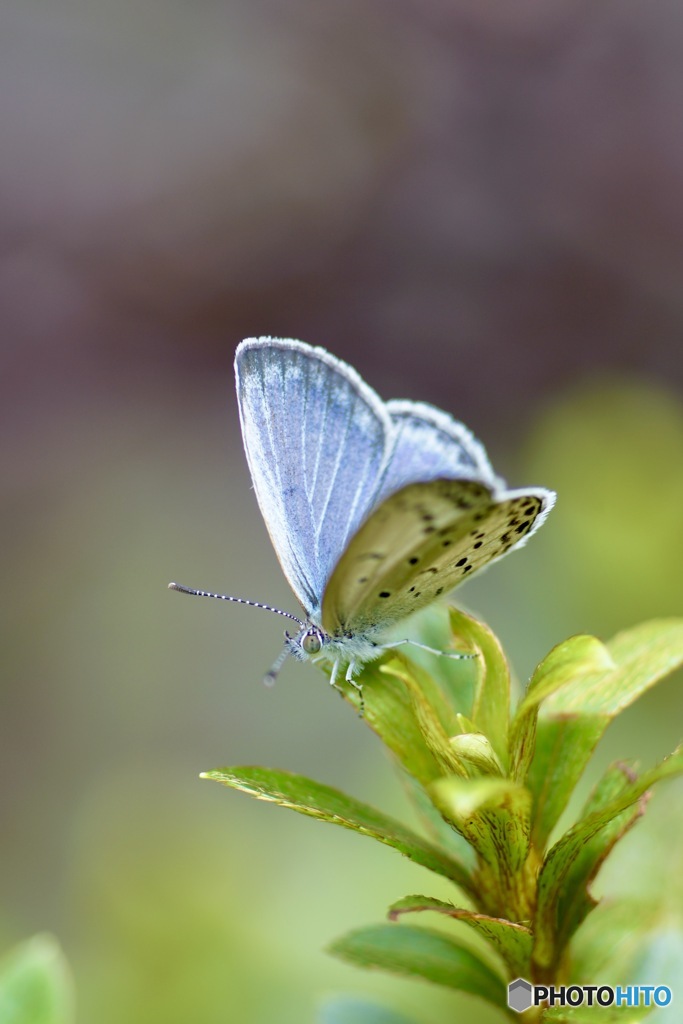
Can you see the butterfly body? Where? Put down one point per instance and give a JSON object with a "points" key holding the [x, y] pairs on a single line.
{"points": [[353, 648], [375, 509]]}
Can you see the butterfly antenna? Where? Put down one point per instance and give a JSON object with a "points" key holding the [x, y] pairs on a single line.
{"points": [[237, 600], [273, 672]]}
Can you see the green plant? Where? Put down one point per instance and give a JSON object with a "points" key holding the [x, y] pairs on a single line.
{"points": [[491, 788], [35, 984]]}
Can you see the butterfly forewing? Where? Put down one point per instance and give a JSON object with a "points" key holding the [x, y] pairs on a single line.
{"points": [[420, 543], [317, 440]]}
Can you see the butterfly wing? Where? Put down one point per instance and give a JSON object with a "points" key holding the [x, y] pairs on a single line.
{"points": [[420, 543], [317, 440], [428, 443]]}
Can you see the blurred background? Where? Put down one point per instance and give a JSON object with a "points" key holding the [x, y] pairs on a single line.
{"points": [[477, 204]]}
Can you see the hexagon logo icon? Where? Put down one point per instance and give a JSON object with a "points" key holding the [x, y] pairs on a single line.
{"points": [[519, 995]]}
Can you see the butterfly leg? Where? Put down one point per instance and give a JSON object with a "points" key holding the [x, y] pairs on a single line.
{"points": [[333, 678], [333, 674], [351, 668], [432, 650]]}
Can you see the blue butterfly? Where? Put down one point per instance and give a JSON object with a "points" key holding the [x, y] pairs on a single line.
{"points": [[375, 509]]}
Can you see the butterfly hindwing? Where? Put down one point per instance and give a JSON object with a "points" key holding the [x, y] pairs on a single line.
{"points": [[421, 542], [428, 443]]}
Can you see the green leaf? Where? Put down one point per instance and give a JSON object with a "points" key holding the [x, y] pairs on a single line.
{"points": [[512, 941], [476, 753], [575, 900], [642, 656], [563, 747], [435, 718], [434, 824], [415, 712], [575, 714], [493, 815], [390, 711], [319, 801], [352, 1010], [35, 984], [610, 942], [491, 707], [456, 678], [562, 858], [422, 953], [567, 663]]}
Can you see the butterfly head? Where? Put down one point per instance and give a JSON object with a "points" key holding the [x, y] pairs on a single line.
{"points": [[312, 642], [307, 643]]}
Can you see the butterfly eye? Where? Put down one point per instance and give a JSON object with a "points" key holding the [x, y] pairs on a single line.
{"points": [[311, 643]]}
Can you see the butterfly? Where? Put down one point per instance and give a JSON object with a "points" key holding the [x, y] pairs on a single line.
{"points": [[375, 509]]}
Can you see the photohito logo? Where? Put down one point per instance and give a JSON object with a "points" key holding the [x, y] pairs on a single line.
{"points": [[522, 995]]}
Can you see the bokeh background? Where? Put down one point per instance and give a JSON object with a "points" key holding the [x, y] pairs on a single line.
{"points": [[478, 204]]}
